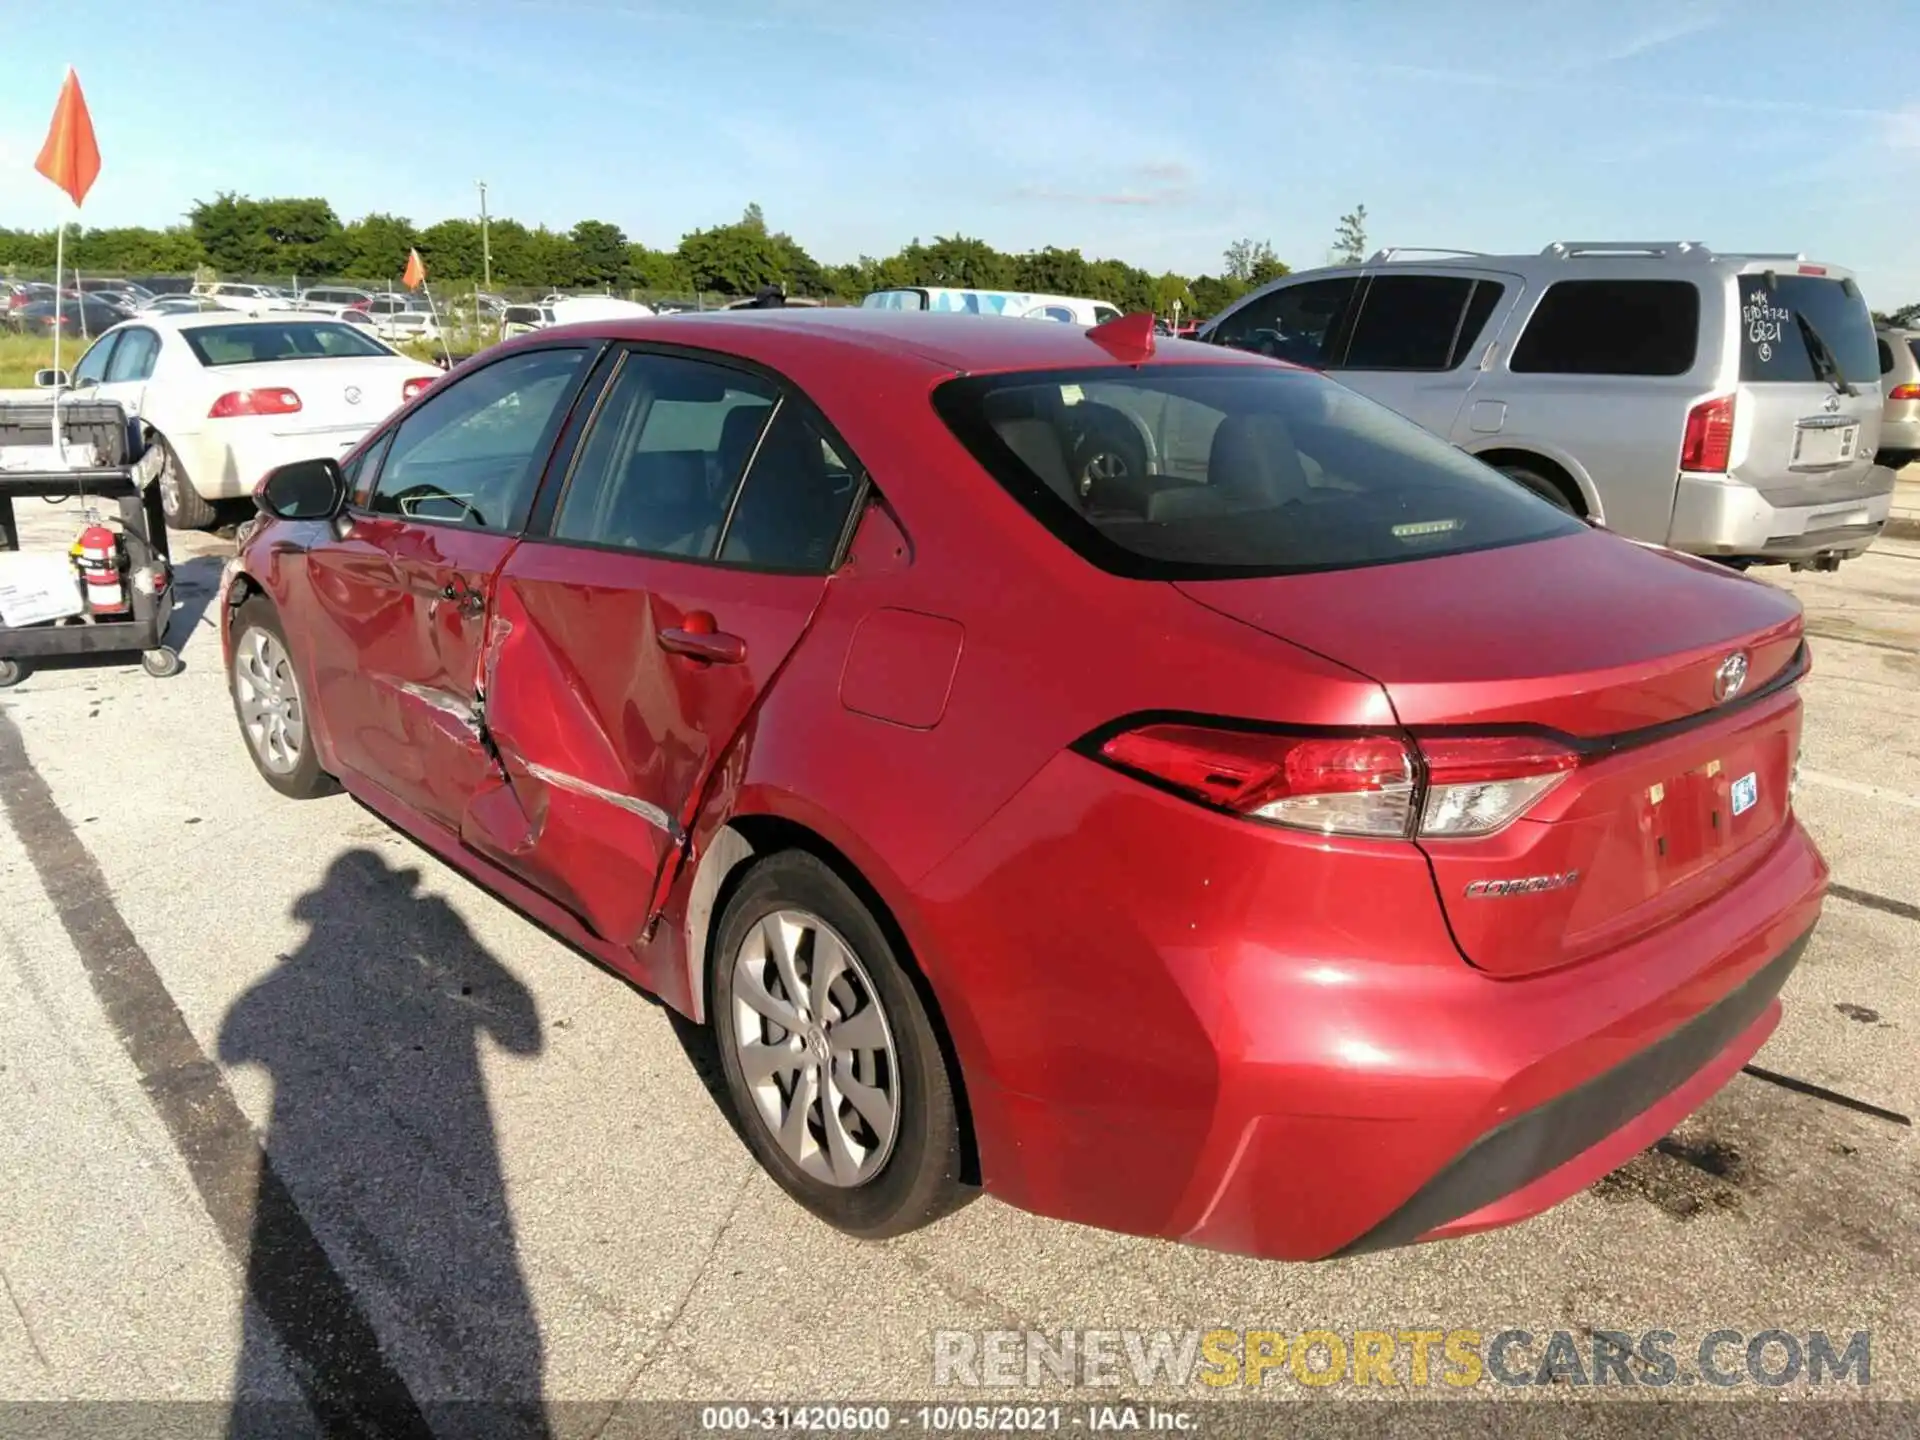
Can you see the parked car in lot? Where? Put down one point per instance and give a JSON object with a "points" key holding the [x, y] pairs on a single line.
{"points": [[332, 299], [70, 315], [1900, 382], [1726, 405], [401, 326], [381, 305], [229, 397], [178, 305], [946, 299], [521, 319], [1311, 843], [246, 299]]}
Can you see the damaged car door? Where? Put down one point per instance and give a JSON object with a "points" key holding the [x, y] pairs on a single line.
{"points": [[401, 590], [632, 634]]}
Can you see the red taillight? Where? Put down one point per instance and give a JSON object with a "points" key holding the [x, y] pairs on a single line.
{"points": [[1709, 439], [1457, 786], [1351, 785], [414, 386], [1813, 269], [1904, 392], [273, 400]]}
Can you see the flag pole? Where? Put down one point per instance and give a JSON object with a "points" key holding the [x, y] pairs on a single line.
{"points": [[433, 310], [59, 263]]}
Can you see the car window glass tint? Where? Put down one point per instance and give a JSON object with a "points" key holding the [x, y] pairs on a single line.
{"points": [[1486, 295], [1298, 323], [134, 358], [1886, 357], [658, 469], [793, 506], [1407, 322], [1213, 472], [472, 454], [1776, 314], [1612, 327], [92, 368]]}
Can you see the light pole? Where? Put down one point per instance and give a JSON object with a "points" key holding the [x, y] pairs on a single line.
{"points": [[486, 247]]}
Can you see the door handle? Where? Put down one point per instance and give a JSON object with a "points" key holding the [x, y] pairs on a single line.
{"points": [[697, 637]]}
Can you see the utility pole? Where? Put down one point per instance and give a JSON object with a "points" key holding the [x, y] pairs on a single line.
{"points": [[486, 246]]}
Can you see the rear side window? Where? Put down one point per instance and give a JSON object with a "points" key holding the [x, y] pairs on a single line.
{"points": [[1412, 322], [794, 505], [1800, 328], [1216, 472], [1886, 357], [1611, 327], [1914, 347], [658, 469]]}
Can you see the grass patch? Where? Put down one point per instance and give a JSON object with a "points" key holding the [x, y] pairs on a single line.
{"points": [[21, 355]]}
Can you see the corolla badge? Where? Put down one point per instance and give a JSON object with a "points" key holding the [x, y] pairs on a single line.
{"points": [[1525, 885], [1731, 677]]}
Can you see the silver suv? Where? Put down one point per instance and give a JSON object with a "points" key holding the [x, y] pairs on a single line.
{"points": [[1727, 405]]}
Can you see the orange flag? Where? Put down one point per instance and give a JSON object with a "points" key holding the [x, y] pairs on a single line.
{"points": [[416, 273], [71, 156]]}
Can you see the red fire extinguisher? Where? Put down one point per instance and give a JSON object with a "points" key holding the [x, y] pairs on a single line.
{"points": [[97, 553]]}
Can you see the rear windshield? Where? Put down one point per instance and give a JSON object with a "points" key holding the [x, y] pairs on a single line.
{"points": [[1793, 328], [521, 314], [1213, 472], [295, 340]]}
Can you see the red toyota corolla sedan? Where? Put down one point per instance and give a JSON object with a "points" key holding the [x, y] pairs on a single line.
{"points": [[1159, 787]]}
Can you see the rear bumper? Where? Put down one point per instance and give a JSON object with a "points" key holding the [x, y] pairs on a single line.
{"points": [[1901, 435], [225, 463], [1717, 515], [1270, 1045]]}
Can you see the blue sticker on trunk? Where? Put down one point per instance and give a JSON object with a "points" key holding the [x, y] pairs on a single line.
{"points": [[1746, 793]]}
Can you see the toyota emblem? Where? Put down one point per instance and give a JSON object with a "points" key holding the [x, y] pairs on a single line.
{"points": [[353, 394], [1730, 677]]}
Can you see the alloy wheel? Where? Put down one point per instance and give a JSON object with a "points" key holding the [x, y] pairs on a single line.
{"points": [[268, 699], [814, 1046]]}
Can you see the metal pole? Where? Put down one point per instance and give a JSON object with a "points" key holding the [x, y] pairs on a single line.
{"points": [[486, 246], [59, 262]]}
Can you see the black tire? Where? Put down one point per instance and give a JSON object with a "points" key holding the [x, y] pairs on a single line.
{"points": [[1547, 488], [920, 1180], [179, 501], [304, 780], [12, 672]]}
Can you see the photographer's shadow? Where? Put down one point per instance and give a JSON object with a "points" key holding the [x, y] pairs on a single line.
{"points": [[381, 1144]]}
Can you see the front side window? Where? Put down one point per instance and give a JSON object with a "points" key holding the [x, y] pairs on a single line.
{"points": [[1216, 472], [92, 368], [657, 470], [1611, 327], [472, 454], [1409, 322], [134, 358], [1801, 328], [1300, 323]]}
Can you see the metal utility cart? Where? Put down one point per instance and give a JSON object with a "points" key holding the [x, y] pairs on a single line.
{"points": [[96, 455]]}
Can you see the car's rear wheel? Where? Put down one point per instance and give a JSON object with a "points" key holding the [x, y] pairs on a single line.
{"points": [[271, 707], [179, 501], [1547, 488], [831, 1059]]}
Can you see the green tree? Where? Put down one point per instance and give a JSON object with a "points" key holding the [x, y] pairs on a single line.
{"points": [[1214, 293], [1244, 259], [753, 218], [1171, 289], [552, 258], [656, 269], [599, 253], [451, 252], [733, 259], [375, 247], [134, 250], [1350, 237], [1053, 271], [1125, 285], [962, 261]]}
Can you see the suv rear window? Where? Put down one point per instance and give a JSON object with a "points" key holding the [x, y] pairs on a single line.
{"points": [[1212, 472], [1612, 327], [1791, 326]]}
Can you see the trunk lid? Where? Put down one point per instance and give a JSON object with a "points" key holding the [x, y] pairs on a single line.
{"points": [[1618, 648]]}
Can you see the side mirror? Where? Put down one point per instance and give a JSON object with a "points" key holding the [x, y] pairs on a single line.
{"points": [[51, 380], [302, 490]]}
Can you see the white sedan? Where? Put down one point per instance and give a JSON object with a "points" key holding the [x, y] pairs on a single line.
{"points": [[228, 397]]}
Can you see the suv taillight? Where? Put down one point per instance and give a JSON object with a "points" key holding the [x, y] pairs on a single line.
{"points": [[1438, 787], [270, 400], [1708, 444]]}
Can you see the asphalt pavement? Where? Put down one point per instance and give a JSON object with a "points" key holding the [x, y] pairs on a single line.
{"points": [[289, 1110]]}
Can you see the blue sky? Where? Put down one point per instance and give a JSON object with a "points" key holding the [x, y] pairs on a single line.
{"points": [[1153, 130]]}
